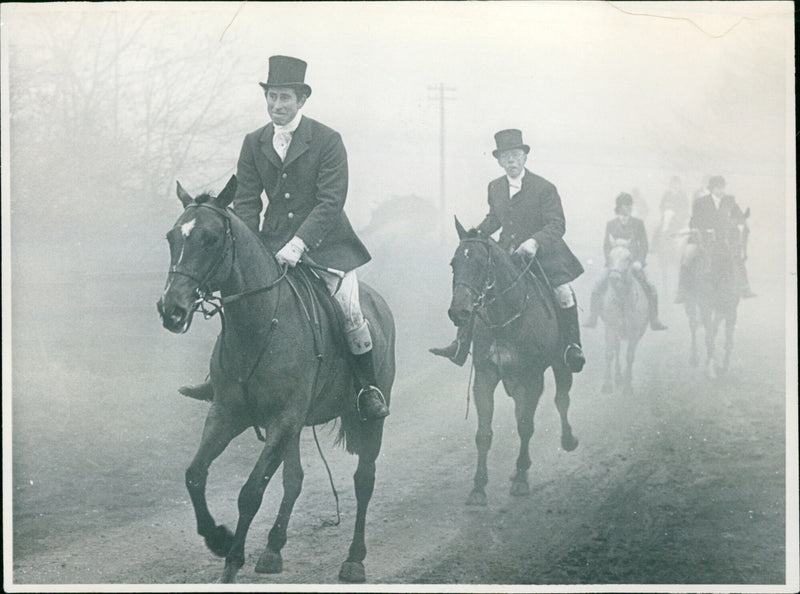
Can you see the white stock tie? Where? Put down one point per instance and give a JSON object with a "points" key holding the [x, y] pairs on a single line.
{"points": [[280, 142]]}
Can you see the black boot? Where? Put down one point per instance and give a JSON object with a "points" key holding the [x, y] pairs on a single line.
{"points": [[370, 402], [457, 350], [204, 391], [571, 337], [594, 305]]}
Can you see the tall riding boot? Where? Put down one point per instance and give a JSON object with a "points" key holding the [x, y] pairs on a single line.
{"points": [[457, 350], [571, 336], [370, 402], [652, 307], [204, 391], [595, 304]]}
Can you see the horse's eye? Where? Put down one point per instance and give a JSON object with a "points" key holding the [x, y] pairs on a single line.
{"points": [[208, 239]]}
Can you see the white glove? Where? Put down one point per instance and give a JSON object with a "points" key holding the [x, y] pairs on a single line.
{"points": [[528, 248], [291, 253], [636, 265]]}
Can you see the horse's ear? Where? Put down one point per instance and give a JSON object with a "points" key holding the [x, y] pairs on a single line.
{"points": [[183, 195], [226, 195], [460, 229]]}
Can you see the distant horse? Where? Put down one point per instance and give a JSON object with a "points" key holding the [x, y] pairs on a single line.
{"points": [[668, 247], [278, 364], [515, 339], [712, 293], [624, 313]]}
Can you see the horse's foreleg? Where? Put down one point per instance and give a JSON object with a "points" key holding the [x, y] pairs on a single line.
{"points": [[220, 428], [563, 385], [630, 355], [612, 343], [277, 436], [526, 397], [352, 569], [691, 316], [711, 320], [270, 560], [483, 391], [730, 324]]}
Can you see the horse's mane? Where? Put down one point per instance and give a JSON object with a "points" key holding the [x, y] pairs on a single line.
{"points": [[204, 197]]}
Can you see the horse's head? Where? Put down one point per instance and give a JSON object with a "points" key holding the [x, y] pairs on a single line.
{"points": [[473, 274], [201, 255], [619, 261]]}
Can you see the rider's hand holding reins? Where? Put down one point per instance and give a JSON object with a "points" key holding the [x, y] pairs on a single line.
{"points": [[636, 265], [528, 248], [291, 253]]}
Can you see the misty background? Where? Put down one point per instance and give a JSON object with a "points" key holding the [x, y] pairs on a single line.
{"points": [[108, 105]]}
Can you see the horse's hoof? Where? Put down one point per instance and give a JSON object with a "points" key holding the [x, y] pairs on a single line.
{"points": [[568, 443], [477, 498], [520, 488], [219, 542], [229, 573], [607, 388], [269, 562], [352, 572]]}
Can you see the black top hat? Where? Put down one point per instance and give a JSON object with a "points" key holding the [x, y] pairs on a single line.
{"points": [[285, 71], [623, 200], [509, 139]]}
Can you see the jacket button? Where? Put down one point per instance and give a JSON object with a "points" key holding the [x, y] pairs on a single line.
{"points": [[287, 195], [290, 215]]}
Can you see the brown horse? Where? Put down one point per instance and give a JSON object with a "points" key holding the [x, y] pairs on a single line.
{"points": [[625, 316], [516, 339], [278, 364]]}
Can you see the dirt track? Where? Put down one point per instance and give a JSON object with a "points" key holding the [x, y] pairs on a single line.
{"points": [[682, 482]]}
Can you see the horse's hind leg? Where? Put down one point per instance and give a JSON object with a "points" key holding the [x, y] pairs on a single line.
{"points": [[486, 381], [270, 560], [220, 428], [278, 435], [563, 385], [352, 569], [526, 396], [630, 355]]}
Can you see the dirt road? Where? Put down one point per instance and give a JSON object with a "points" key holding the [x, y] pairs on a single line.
{"points": [[681, 482]]}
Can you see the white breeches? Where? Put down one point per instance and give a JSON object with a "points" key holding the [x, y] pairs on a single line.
{"points": [[355, 326], [564, 296]]}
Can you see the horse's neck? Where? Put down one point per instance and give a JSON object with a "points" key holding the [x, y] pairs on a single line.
{"points": [[510, 287], [253, 268]]}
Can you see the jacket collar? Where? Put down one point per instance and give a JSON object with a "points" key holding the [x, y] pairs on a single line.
{"points": [[301, 138]]}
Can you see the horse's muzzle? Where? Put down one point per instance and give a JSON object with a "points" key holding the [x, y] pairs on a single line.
{"points": [[174, 318], [459, 316]]}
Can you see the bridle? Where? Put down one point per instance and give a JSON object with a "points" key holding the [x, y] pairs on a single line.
{"points": [[206, 301], [489, 294]]}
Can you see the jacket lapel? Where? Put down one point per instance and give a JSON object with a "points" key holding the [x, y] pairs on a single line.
{"points": [[266, 145], [300, 140]]}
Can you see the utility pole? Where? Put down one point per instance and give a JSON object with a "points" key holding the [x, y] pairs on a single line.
{"points": [[441, 96]]}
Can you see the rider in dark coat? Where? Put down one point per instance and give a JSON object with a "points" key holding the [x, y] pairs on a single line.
{"points": [[715, 217], [301, 167], [528, 210], [630, 229]]}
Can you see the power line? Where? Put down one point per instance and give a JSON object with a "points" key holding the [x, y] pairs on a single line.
{"points": [[441, 95]]}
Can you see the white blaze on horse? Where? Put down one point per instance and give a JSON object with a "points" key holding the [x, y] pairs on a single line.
{"points": [[279, 364]]}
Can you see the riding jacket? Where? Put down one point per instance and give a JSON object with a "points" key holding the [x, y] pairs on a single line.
{"points": [[535, 211], [305, 193], [722, 221], [633, 231]]}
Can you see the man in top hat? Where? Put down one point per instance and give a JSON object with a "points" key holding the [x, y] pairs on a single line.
{"points": [[629, 228], [528, 209], [717, 217], [301, 167]]}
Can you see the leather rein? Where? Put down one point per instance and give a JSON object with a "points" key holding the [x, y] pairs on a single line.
{"points": [[484, 298]]}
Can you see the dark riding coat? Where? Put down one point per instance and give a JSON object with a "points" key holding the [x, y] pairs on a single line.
{"points": [[305, 193], [722, 220], [535, 211], [634, 231]]}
